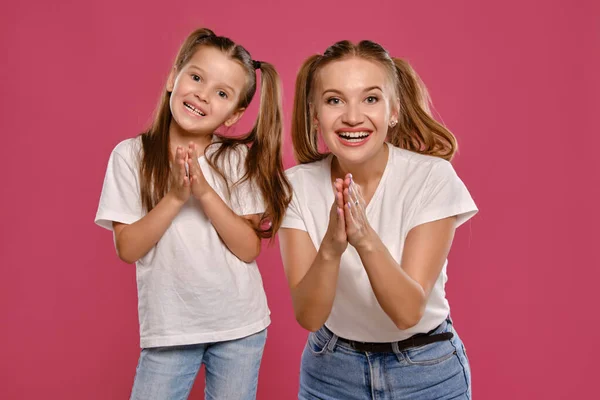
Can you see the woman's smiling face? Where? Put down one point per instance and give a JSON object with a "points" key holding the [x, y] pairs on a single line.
{"points": [[353, 105]]}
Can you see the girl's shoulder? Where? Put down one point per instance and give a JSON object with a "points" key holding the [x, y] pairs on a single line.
{"points": [[230, 158], [129, 149], [230, 163]]}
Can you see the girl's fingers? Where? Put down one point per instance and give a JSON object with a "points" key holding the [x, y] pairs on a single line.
{"points": [[182, 172], [193, 168], [179, 172], [192, 150]]}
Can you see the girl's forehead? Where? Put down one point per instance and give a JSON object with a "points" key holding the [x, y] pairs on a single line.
{"points": [[218, 66]]}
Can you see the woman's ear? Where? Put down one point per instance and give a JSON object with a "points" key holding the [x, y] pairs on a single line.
{"points": [[395, 115], [314, 120]]}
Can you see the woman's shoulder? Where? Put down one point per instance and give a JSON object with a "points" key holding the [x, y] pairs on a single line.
{"points": [[309, 172], [414, 163], [414, 158]]}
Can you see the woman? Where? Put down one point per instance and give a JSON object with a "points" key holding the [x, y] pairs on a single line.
{"points": [[366, 236]]}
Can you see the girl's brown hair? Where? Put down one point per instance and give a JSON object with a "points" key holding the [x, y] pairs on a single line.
{"points": [[416, 129], [263, 163]]}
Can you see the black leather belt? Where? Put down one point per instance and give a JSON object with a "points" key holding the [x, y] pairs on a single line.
{"points": [[420, 339]]}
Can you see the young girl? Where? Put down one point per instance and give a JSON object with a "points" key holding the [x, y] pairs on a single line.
{"points": [[190, 207], [368, 231]]}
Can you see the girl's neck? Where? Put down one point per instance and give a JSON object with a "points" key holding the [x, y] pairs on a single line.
{"points": [[366, 173], [179, 137]]}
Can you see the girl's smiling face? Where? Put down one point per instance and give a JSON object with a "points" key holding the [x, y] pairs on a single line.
{"points": [[205, 93]]}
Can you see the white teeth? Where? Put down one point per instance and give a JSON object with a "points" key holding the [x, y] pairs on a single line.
{"points": [[193, 109], [353, 136], [354, 140]]}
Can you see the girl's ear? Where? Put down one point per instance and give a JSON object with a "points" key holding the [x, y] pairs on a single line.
{"points": [[171, 80], [235, 117]]}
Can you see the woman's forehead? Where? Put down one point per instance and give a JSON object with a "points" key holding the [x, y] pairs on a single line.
{"points": [[353, 74]]}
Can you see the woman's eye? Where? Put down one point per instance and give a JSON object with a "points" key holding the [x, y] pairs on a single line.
{"points": [[333, 101], [196, 77], [222, 94], [371, 99]]}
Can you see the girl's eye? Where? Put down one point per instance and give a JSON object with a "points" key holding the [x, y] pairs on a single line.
{"points": [[333, 101], [371, 99], [196, 77], [222, 94]]}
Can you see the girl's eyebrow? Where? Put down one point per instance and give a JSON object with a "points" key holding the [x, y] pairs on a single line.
{"points": [[332, 91], [192, 66]]}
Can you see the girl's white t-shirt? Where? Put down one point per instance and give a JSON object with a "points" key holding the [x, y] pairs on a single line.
{"points": [[191, 287], [414, 189]]}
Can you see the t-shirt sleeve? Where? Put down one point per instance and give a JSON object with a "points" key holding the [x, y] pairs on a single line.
{"points": [[246, 196], [120, 198], [248, 199], [293, 218], [444, 195]]}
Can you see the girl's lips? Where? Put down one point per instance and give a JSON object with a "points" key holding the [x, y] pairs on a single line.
{"points": [[194, 109]]}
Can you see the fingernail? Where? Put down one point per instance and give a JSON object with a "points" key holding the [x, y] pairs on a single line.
{"points": [[349, 205]]}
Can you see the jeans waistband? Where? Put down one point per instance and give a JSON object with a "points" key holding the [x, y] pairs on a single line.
{"points": [[420, 339]]}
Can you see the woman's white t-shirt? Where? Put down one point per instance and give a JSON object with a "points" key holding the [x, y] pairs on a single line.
{"points": [[414, 189], [191, 288]]}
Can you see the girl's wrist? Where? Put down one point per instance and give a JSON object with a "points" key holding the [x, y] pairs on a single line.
{"points": [[173, 199], [202, 193]]}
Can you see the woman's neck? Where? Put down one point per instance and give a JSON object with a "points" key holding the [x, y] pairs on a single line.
{"points": [[365, 174]]}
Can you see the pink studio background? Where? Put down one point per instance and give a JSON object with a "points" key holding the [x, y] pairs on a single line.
{"points": [[513, 80]]}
